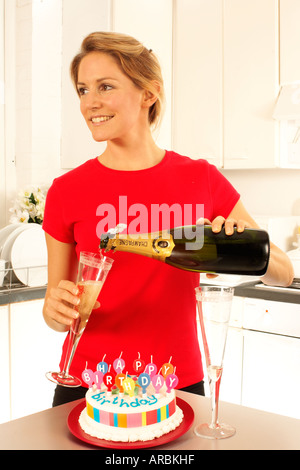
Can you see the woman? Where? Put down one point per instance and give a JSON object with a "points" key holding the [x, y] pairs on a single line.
{"points": [[146, 307]]}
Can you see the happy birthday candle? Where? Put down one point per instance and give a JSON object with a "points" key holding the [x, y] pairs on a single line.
{"points": [[119, 364], [171, 381], [151, 368], [144, 380], [109, 380], [129, 386], [102, 366], [158, 382], [88, 376], [138, 364], [167, 368]]}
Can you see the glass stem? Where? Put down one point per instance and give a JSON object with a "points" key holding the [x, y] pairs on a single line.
{"points": [[215, 392], [71, 348]]}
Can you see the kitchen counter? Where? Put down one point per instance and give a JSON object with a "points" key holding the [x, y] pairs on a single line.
{"points": [[256, 429], [251, 289], [21, 294], [261, 291]]}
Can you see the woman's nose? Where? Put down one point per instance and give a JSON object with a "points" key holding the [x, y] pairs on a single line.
{"points": [[93, 100]]}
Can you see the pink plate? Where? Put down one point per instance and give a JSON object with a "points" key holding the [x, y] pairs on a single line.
{"points": [[77, 431]]}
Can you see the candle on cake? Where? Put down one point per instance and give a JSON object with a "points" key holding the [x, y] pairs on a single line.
{"points": [[171, 381], [102, 366], [109, 380], [151, 368], [88, 376], [144, 381]]}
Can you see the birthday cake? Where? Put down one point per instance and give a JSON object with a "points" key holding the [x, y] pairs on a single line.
{"points": [[125, 408]]}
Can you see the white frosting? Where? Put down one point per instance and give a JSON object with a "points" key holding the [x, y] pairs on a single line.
{"points": [[144, 433]]}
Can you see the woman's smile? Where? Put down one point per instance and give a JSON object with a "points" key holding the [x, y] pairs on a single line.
{"points": [[99, 119]]}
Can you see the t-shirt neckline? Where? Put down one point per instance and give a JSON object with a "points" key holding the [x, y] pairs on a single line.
{"points": [[156, 167]]}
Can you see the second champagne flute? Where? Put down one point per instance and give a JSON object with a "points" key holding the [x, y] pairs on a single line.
{"points": [[214, 307], [92, 271]]}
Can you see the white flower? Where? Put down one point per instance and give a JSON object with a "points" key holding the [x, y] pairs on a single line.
{"points": [[29, 206]]}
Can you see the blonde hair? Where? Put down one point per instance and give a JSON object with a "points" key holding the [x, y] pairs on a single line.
{"points": [[135, 60]]}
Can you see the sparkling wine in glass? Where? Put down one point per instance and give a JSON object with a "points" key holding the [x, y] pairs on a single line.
{"points": [[214, 306], [92, 271]]}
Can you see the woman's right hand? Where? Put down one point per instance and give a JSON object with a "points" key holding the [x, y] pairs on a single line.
{"points": [[60, 305]]}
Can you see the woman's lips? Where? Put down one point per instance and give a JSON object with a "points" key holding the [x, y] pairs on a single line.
{"points": [[98, 119]]}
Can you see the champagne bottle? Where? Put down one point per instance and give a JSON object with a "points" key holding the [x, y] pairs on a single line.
{"points": [[198, 249]]}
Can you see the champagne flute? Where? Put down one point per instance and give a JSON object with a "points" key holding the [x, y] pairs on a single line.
{"points": [[214, 306], [92, 271]]}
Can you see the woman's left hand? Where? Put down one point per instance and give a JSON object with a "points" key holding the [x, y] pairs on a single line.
{"points": [[217, 225], [219, 222]]}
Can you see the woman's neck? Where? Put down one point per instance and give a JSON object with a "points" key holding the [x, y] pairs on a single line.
{"points": [[132, 156]]}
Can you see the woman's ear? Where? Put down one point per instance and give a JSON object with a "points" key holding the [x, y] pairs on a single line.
{"points": [[151, 96]]}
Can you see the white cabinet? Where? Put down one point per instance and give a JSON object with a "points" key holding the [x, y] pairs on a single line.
{"points": [[250, 83], [4, 364], [198, 80], [262, 356], [226, 81], [289, 41], [271, 379], [35, 349]]}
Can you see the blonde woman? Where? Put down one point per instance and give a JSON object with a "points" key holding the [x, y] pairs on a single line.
{"points": [[146, 307]]}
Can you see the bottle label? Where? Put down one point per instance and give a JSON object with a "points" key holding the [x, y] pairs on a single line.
{"points": [[158, 246]]}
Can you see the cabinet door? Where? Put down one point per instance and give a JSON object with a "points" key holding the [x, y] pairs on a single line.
{"points": [[151, 24], [251, 83], [197, 80], [4, 364], [289, 41], [271, 379], [35, 349]]}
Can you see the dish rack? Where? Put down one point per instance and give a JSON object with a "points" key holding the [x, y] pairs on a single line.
{"points": [[9, 280]]}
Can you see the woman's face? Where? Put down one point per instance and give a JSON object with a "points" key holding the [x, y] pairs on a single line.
{"points": [[110, 102]]}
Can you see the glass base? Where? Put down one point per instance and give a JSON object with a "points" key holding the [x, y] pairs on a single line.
{"points": [[221, 431], [65, 380]]}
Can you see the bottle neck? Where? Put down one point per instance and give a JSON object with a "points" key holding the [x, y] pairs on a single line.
{"points": [[157, 245]]}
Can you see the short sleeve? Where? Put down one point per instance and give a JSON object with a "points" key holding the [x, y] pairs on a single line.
{"points": [[55, 223], [223, 195]]}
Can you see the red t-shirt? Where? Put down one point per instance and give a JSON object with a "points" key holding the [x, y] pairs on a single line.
{"points": [[147, 307]]}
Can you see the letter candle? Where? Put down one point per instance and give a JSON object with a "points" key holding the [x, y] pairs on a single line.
{"points": [[151, 368], [138, 364], [98, 379], [102, 366], [88, 376], [129, 385], [144, 380], [171, 381], [119, 364], [119, 382], [109, 380], [158, 382], [167, 368]]}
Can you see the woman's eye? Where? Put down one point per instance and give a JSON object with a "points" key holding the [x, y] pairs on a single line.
{"points": [[106, 87], [82, 91]]}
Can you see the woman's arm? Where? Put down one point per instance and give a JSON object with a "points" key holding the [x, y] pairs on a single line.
{"points": [[280, 270], [61, 291]]}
